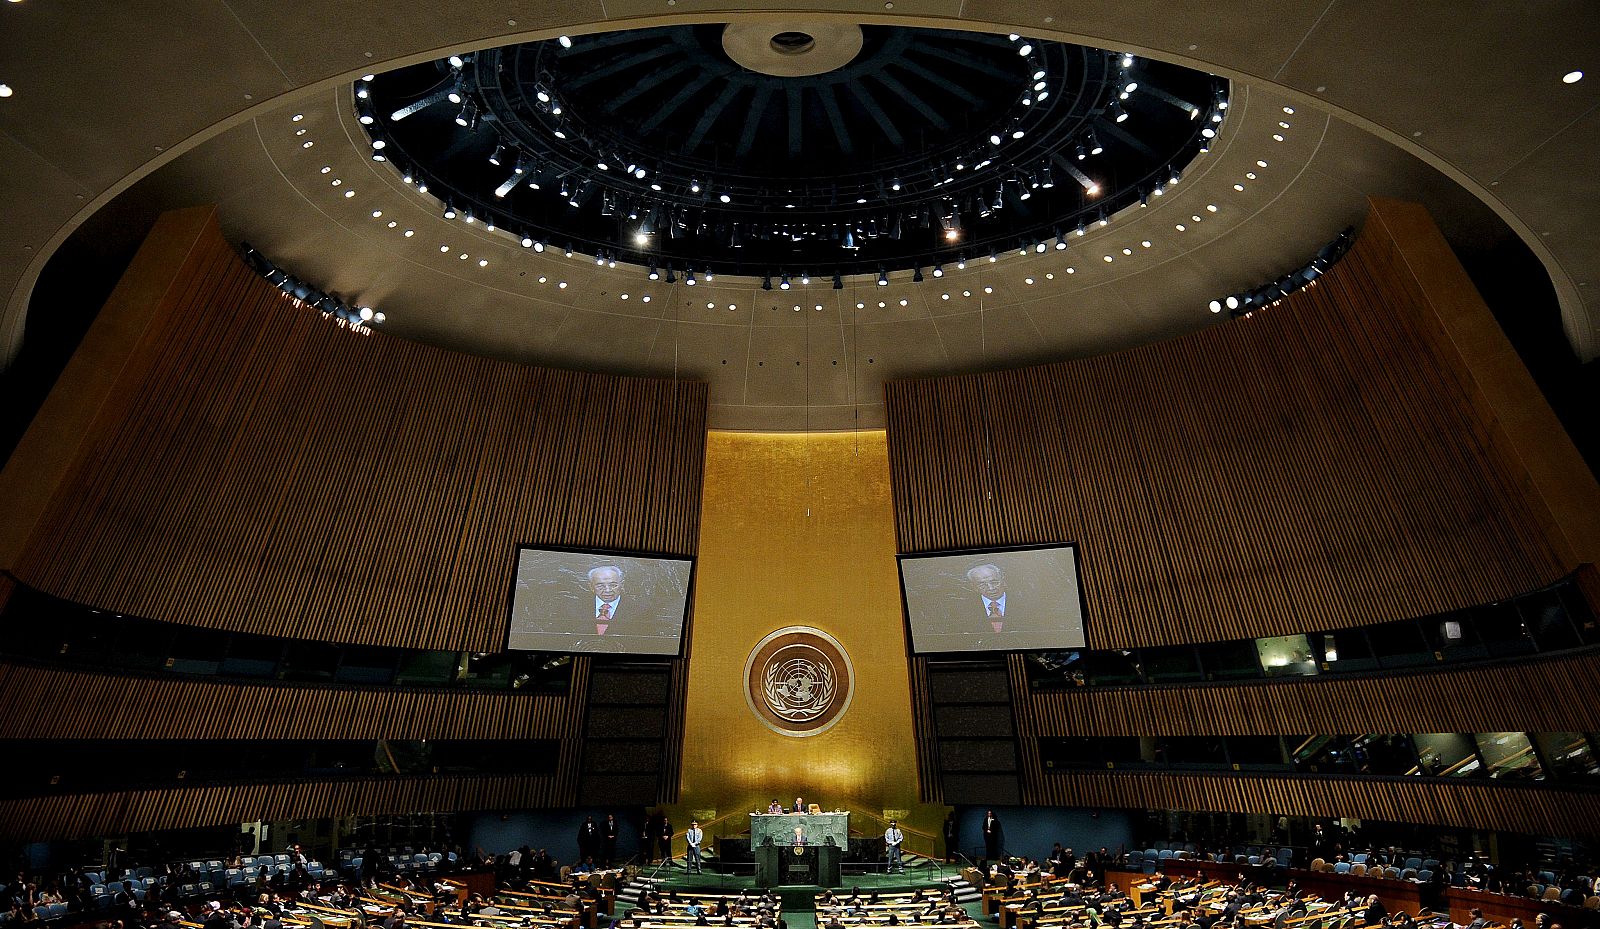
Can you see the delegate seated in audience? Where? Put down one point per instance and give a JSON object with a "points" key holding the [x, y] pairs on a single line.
{"points": [[1375, 912]]}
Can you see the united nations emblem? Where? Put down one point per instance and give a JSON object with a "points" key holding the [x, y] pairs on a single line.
{"points": [[798, 681]]}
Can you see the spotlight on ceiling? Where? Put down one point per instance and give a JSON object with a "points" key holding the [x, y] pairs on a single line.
{"points": [[654, 275], [916, 275], [766, 282], [1095, 147], [1232, 302], [1215, 306], [566, 41], [1572, 77], [449, 211], [838, 282], [883, 278], [689, 278], [783, 282]]}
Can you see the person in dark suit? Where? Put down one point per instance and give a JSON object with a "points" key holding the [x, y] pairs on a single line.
{"points": [[612, 616], [649, 836], [588, 838], [989, 610], [952, 837], [664, 836], [608, 840], [799, 806], [994, 837]]}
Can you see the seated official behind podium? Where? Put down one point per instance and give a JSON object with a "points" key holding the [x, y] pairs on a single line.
{"points": [[774, 807], [799, 806]]}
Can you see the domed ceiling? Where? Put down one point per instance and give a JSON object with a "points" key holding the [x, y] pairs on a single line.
{"points": [[1258, 194], [775, 149]]}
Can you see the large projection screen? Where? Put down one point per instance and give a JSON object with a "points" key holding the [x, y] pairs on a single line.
{"points": [[993, 600], [583, 602]]}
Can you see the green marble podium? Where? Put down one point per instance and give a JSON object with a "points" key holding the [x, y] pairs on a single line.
{"points": [[809, 856], [816, 829]]}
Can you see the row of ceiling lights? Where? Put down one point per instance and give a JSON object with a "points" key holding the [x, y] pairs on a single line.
{"points": [[785, 282], [1240, 304], [1246, 302], [657, 218]]}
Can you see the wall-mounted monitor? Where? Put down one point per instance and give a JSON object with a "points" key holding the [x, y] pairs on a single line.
{"points": [[584, 602], [993, 600]]}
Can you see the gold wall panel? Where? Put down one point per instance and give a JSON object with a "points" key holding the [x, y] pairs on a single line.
{"points": [[799, 530]]}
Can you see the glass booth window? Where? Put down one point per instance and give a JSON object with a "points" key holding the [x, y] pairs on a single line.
{"points": [[1230, 661], [1569, 754], [1509, 755], [1455, 635], [1171, 664], [1447, 754], [1546, 617], [1256, 752], [1320, 754], [1286, 656], [1382, 753], [1399, 644], [1503, 632], [1343, 650], [1192, 751], [1114, 667]]}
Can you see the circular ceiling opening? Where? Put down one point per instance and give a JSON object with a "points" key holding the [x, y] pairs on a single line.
{"points": [[790, 49], [793, 43], [792, 147]]}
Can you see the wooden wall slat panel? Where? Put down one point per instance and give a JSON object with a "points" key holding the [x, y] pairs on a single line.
{"points": [[80, 815], [1318, 465], [1484, 806], [928, 785], [271, 472], [52, 703], [259, 468], [1323, 464], [1490, 699]]}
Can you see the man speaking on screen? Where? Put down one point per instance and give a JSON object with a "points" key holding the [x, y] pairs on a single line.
{"points": [[606, 582], [990, 583]]}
